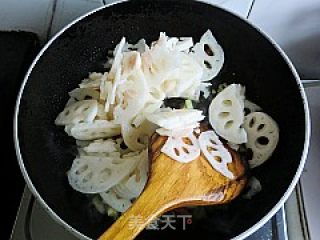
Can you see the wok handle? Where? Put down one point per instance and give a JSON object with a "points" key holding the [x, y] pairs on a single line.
{"points": [[307, 83]]}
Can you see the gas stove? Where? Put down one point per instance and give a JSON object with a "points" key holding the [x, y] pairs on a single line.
{"points": [[33, 223]]}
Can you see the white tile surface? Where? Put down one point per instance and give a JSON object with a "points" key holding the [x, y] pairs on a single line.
{"points": [[28, 15], [68, 10], [240, 7], [311, 176], [294, 224], [295, 25]]}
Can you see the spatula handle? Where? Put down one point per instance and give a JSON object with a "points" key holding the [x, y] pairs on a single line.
{"points": [[146, 208]]}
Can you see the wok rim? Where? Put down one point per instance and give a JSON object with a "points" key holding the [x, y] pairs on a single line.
{"points": [[241, 236]]}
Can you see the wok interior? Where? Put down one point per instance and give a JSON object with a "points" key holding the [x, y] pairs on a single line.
{"points": [[250, 59]]}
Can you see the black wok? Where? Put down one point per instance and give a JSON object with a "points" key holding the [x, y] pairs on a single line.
{"points": [[45, 153]]}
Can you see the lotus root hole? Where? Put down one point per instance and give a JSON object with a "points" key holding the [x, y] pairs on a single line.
{"points": [[228, 124], [213, 142], [105, 173], [207, 64], [211, 149], [218, 159], [208, 50], [224, 114], [185, 150], [252, 122], [263, 140], [187, 141], [88, 177], [227, 102], [176, 151], [82, 169], [260, 127]]}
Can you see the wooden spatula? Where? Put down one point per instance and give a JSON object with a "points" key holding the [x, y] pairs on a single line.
{"points": [[173, 184]]}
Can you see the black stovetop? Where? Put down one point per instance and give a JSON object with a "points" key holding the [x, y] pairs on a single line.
{"points": [[17, 49]]}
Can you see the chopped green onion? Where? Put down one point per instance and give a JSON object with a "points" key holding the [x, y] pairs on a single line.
{"points": [[112, 212], [188, 104]]}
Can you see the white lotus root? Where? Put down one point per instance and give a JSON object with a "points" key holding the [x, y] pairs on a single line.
{"points": [[185, 80], [178, 132], [147, 109], [157, 63], [105, 87], [184, 44], [84, 93], [137, 138], [81, 111], [209, 55], [114, 201], [118, 55], [102, 146], [93, 81], [176, 118], [92, 174], [70, 102], [251, 107], [140, 46], [217, 155], [226, 114], [131, 97], [263, 136], [95, 130], [101, 114], [132, 186], [131, 62], [182, 149]]}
